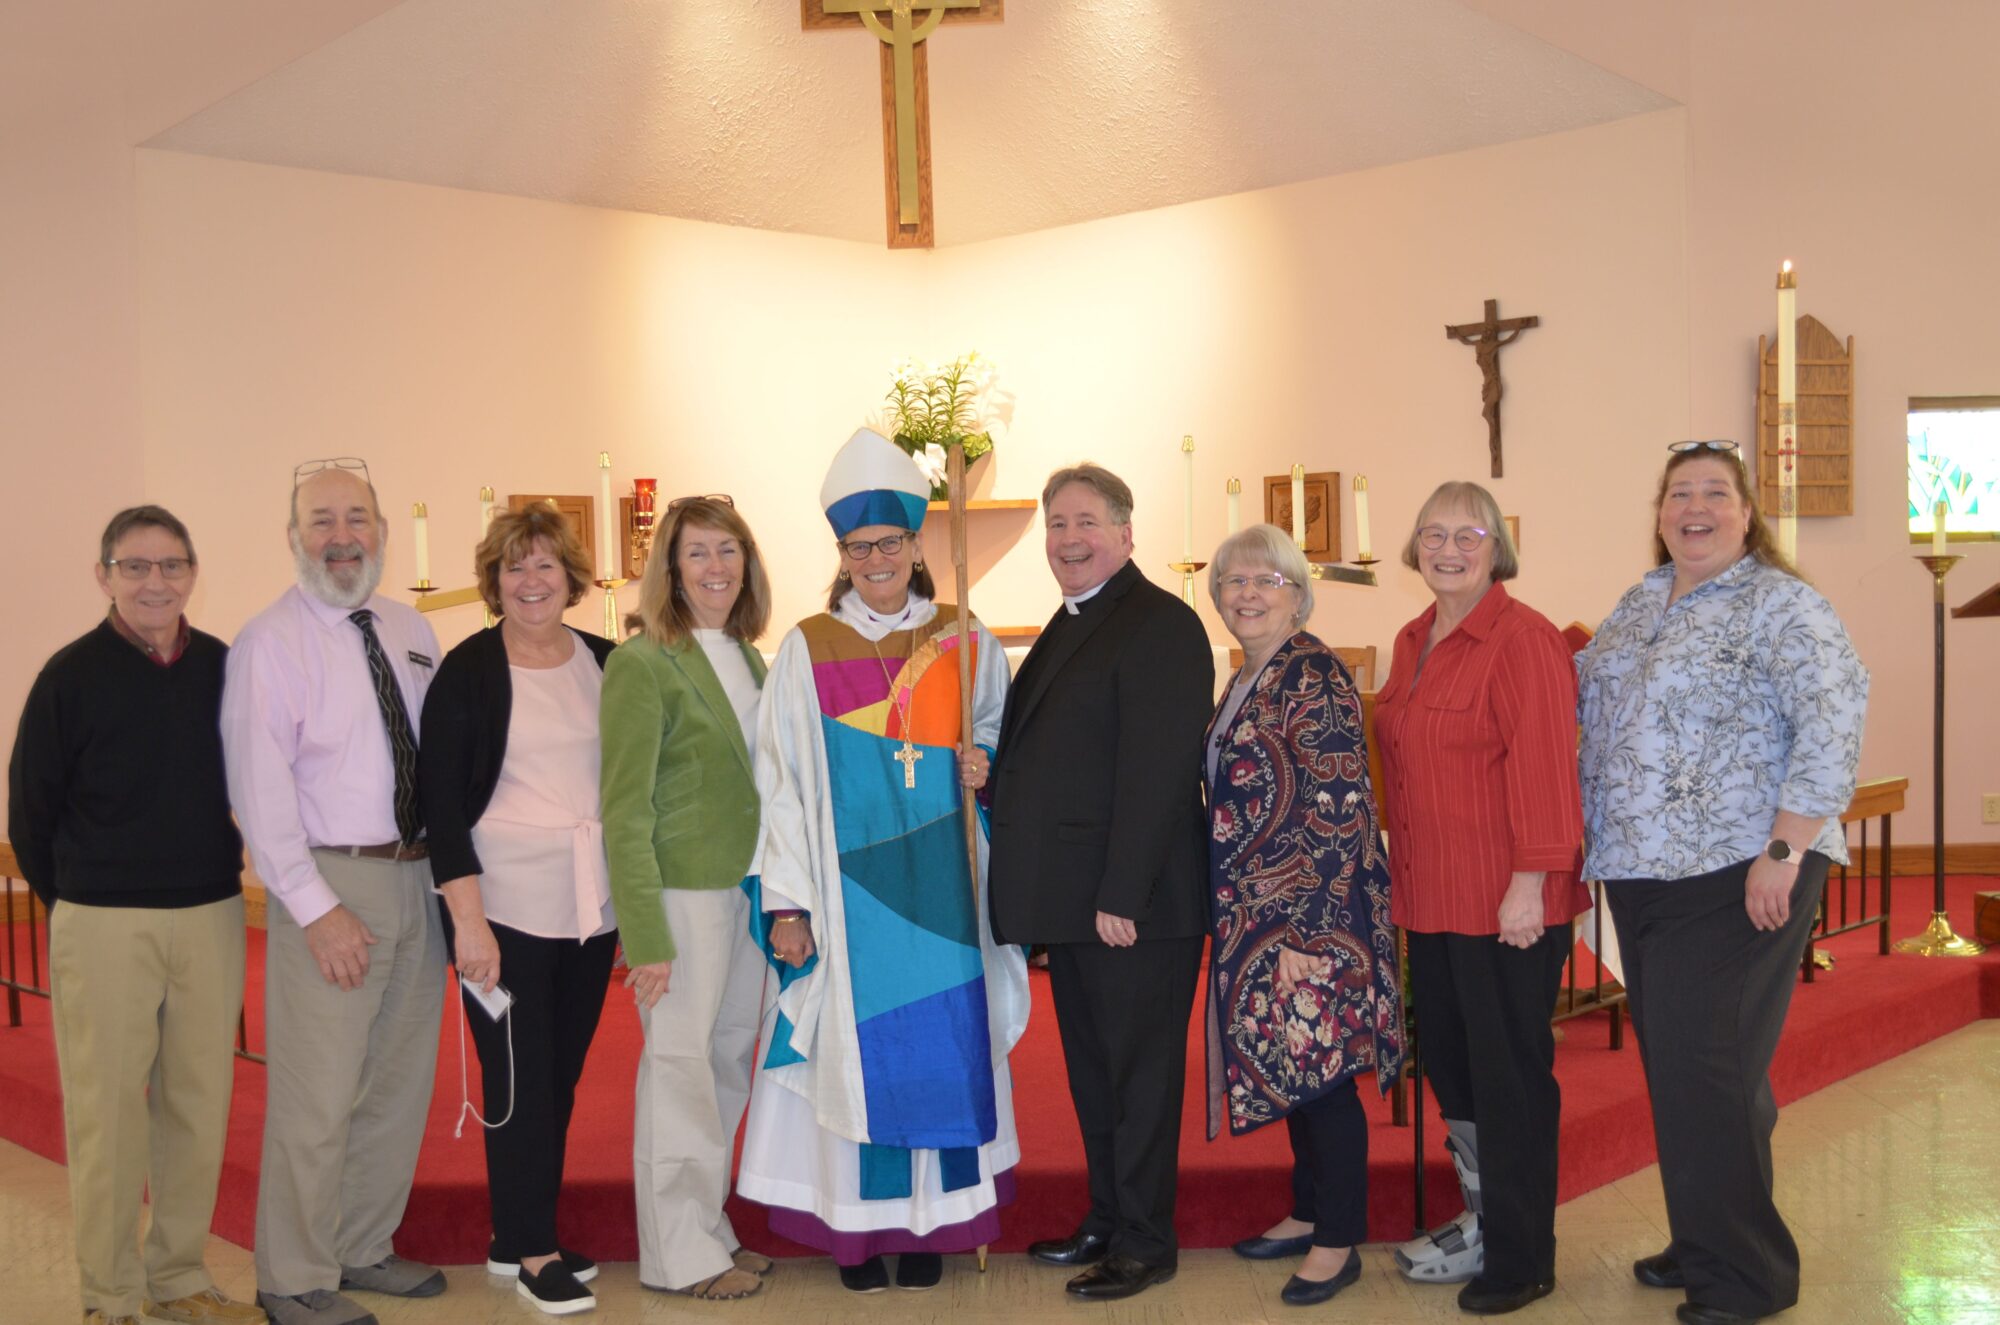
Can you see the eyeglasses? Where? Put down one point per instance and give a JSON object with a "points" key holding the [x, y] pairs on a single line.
{"points": [[1268, 582], [1468, 539], [353, 464], [138, 568], [888, 547], [720, 498], [1720, 444]]}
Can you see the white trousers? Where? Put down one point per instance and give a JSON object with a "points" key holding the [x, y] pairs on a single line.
{"points": [[694, 1080]]}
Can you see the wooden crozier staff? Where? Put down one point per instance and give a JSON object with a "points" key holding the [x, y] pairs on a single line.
{"points": [[968, 802]]}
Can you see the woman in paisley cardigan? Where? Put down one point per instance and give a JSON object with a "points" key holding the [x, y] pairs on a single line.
{"points": [[1302, 982]]}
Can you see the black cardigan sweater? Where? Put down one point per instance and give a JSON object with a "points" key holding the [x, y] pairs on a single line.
{"points": [[464, 741], [116, 793]]}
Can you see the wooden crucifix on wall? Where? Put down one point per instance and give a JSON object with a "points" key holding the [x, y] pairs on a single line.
{"points": [[1486, 336], [906, 119]]}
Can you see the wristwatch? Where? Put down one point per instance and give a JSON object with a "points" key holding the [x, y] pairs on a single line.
{"points": [[1780, 850]]}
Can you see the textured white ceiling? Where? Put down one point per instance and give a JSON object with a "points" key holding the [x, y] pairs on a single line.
{"points": [[722, 110]]}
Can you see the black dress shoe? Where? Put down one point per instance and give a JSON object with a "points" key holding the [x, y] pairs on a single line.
{"points": [[918, 1270], [871, 1276], [1661, 1271], [1694, 1313], [1273, 1249], [1119, 1276], [1299, 1292], [1079, 1248], [1483, 1297]]}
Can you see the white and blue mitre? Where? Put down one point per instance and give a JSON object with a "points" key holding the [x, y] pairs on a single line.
{"points": [[873, 481]]}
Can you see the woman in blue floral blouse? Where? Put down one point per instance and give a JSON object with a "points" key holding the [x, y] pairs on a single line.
{"points": [[1302, 979], [1722, 708]]}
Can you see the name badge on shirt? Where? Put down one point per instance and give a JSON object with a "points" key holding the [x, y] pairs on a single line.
{"points": [[421, 660]]}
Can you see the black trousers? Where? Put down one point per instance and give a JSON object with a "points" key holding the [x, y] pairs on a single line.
{"points": [[1483, 1011], [559, 988], [1123, 1016], [1709, 992], [1330, 1166]]}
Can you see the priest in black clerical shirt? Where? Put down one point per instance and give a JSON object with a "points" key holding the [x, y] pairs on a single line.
{"points": [[1098, 851]]}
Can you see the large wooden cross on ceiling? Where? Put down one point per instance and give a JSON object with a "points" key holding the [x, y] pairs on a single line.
{"points": [[906, 118]]}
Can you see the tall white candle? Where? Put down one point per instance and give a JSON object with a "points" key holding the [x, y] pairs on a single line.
{"points": [[1187, 494], [1788, 412], [1299, 505], [607, 541], [420, 517], [1361, 517], [1235, 491], [1937, 531]]}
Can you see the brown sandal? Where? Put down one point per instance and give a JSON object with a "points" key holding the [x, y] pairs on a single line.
{"points": [[752, 1262], [725, 1287]]}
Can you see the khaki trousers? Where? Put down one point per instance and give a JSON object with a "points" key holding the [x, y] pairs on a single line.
{"points": [[145, 1002], [350, 1078], [694, 1081]]}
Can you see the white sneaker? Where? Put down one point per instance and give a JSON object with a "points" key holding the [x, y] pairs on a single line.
{"points": [[1448, 1254]]}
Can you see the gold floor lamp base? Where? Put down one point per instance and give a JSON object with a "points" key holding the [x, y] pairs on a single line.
{"points": [[1938, 940]]}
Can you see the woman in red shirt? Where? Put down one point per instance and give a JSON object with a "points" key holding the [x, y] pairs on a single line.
{"points": [[1477, 728]]}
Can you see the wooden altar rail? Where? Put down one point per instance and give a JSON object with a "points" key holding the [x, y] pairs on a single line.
{"points": [[1877, 799], [33, 917]]}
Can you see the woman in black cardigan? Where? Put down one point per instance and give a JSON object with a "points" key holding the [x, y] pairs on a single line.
{"points": [[507, 769]]}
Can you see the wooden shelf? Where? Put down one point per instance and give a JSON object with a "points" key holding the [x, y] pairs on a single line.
{"points": [[1004, 504], [1015, 634]]}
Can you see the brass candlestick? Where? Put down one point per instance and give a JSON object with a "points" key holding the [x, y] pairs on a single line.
{"points": [[610, 588], [1938, 938], [1188, 570]]}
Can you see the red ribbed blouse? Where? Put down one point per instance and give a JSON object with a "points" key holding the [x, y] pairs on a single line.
{"points": [[1479, 754]]}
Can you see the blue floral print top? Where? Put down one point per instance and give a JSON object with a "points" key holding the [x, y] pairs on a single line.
{"points": [[1702, 720]]}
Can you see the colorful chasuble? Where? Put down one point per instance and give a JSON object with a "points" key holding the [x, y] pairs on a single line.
{"points": [[912, 932]]}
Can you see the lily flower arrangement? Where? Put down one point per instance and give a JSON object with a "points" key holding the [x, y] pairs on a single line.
{"points": [[929, 408]]}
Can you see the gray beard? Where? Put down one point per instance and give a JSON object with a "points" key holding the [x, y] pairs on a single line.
{"points": [[316, 580]]}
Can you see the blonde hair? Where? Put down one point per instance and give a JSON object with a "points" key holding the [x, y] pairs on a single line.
{"points": [[511, 536], [664, 616], [1758, 540]]}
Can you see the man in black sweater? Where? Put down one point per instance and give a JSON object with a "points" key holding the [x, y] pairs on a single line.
{"points": [[119, 814]]}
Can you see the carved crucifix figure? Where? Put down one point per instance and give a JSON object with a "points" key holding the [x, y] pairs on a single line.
{"points": [[905, 94], [1486, 337]]}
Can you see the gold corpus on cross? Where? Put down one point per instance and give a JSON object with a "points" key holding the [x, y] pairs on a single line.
{"points": [[1486, 336], [905, 94]]}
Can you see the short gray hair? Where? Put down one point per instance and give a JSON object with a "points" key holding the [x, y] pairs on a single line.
{"points": [[143, 517], [1264, 545], [1117, 495], [1461, 492]]}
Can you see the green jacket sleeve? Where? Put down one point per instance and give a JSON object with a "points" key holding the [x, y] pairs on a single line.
{"points": [[632, 721]]}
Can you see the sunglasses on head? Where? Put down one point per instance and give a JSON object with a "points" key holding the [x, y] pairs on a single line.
{"points": [[719, 498], [1719, 444]]}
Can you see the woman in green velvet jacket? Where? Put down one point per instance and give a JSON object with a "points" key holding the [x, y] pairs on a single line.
{"points": [[680, 824]]}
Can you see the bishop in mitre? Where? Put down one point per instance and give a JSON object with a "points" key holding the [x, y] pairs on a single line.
{"points": [[881, 1119]]}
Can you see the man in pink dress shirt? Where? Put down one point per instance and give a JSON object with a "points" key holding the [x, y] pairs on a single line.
{"points": [[318, 733]]}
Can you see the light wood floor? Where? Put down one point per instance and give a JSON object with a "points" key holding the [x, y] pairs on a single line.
{"points": [[1890, 1179]]}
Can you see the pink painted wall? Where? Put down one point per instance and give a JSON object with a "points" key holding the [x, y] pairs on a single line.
{"points": [[185, 329]]}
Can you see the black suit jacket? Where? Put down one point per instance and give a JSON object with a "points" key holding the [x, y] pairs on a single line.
{"points": [[1097, 781], [463, 742]]}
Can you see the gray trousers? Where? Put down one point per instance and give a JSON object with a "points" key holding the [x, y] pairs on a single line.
{"points": [[349, 1078], [1709, 992]]}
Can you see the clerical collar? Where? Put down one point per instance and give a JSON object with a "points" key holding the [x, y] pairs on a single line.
{"points": [[873, 625], [1073, 603]]}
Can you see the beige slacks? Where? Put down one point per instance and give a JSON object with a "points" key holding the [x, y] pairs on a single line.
{"points": [[145, 1004], [350, 1078], [694, 1081]]}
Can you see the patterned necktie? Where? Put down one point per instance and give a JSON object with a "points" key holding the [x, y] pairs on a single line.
{"points": [[402, 741]]}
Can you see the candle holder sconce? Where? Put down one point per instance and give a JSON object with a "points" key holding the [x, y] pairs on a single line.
{"points": [[636, 522], [1188, 570]]}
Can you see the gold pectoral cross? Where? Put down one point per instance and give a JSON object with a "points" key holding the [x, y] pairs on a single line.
{"points": [[908, 757], [895, 23]]}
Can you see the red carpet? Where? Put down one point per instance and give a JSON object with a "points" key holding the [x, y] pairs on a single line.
{"points": [[1867, 1010]]}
